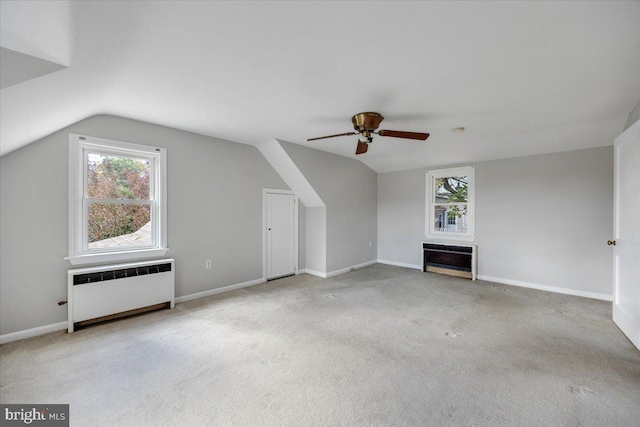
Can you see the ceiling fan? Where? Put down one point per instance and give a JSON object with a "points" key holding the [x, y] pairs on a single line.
{"points": [[365, 125]]}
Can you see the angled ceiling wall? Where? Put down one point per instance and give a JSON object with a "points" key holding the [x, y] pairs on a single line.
{"points": [[16, 67]]}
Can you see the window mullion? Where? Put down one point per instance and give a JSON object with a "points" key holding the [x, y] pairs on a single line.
{"points": [[120, 201], [452, 204]]}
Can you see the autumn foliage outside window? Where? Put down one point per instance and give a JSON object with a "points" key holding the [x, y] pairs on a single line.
{"points": [[119, 201]]}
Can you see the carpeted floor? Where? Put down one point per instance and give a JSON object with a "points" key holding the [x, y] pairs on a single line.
{"points": [[378, 346]]}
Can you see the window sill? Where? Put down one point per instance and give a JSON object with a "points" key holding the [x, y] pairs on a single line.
{"points": [[116, 256], [448, 237]]}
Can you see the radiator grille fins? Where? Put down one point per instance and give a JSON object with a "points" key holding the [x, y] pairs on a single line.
{"points": [[102, 276], [447, 248], [448, 256]]}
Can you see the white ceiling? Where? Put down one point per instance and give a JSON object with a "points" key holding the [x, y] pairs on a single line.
{"points": [[522, 77]]}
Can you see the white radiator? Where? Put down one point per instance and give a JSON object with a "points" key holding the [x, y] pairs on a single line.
{"points": [[96, 292]]}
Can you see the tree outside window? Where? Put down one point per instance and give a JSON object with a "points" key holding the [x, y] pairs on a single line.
{"points": [[118, 190]]}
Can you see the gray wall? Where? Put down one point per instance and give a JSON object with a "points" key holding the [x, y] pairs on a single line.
{"points": [[316, 239], [348, 188], [539, 219], [634, 116], [302, 229], [214, 212], [401, 216]]}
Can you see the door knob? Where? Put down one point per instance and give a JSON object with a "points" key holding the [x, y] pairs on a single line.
{"points": [[611, 242]]}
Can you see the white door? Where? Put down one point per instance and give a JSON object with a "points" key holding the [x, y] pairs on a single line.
{"points": [[281, 235], [626, 243]]}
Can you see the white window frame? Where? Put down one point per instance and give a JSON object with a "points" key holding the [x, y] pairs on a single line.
{"points": [[430, 203], [79, 253]]}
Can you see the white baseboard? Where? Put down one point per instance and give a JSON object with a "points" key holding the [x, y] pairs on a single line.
{"points": [[54, 327], [33, 332], [301, 271], [41, 330], [315, 273], [217, 291], [566, 291], [341, 271], [400, 264], [353, 267]]}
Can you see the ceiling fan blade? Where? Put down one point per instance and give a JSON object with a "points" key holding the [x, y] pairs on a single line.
{"points": [[332, 136], [362, 147], [402, 134]]}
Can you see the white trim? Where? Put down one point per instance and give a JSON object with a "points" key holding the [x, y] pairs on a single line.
{"points": [[33, 332], [116, 256], [558, 290], [348, 269], [276, 191], [266, 191], [447, 240], [400, 264], [315, 273], [217, 291], [163, 209], [302, 271], [626, 319], [451, 242], [54, 327], [341, 271], [78, 203]]}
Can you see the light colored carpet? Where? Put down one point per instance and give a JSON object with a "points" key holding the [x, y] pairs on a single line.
{"points": [[379, 346]]}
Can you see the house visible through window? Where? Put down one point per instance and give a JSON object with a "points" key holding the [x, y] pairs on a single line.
{"points": [[117, 201], [450, 203]]}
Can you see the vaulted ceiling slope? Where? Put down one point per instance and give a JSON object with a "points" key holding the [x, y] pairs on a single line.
{"points": [[521, 77]]}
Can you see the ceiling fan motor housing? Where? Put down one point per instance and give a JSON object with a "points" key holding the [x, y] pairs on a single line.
{"points": [[366, 122]]}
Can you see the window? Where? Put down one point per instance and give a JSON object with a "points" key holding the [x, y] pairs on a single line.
{"points": [[450, 197], [117, 200]]}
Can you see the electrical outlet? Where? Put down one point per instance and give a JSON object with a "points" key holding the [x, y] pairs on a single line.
{"points": [[370, 244], [207, 264]]}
